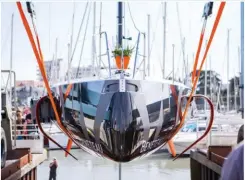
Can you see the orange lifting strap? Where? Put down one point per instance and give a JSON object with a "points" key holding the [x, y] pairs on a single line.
{"points": [[39, 57], [219, 14]]}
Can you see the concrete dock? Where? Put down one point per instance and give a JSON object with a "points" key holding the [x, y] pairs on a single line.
{"points": [[21, 164], [207, 164]]}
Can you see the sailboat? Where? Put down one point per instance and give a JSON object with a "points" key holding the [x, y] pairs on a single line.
{"points": [[119, 117]]}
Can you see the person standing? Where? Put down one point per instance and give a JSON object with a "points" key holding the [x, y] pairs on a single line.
{"points": [[53, 167], [30, 127], [20, 125]]}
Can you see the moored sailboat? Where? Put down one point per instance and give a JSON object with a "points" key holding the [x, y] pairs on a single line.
{"points": [[120, 117]]}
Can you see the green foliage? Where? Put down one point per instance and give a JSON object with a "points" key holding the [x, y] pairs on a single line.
{"points": [[126, 52]]}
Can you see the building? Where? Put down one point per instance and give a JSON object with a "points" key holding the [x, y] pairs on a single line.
{"points": [[52, 69], [213, 85], [82, 72], [217, 91], [234, 93], [25, 90]]}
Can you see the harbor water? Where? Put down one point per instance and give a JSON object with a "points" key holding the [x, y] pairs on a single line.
{"points": [[157, 167]]}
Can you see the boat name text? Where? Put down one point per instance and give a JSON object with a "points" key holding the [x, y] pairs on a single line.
{"points": [[150, 145], [94, 146]]}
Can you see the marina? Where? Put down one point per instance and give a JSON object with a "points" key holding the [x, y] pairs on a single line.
{"points": [[223, 132], [115, 118]]}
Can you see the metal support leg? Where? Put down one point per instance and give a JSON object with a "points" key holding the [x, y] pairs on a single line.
{"points": [[120, 171]]}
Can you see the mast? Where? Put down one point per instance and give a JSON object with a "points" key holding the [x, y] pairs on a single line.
{"points": [[68, 71], [11, 59], [119, 43], [93, 38], [228, 59], [56, 72], [164, 38], [205, 81], [70, 44], [242, 60], [235, 80], [120, 24], [100, 37], [188, 70], [184, 73], [124, 21], [148, 42], [173, 61], [49, 27], [72, 27]]}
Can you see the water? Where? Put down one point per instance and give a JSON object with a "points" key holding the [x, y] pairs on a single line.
{"points": [[88, 167]]}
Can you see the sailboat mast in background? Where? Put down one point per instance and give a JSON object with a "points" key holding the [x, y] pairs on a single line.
{"points": [[242, 60], [164, 38], [173, 46], [11, 59], [70, 45], [228, 58], [93, 38], [148, 42], [100, 31], [205, 82]]}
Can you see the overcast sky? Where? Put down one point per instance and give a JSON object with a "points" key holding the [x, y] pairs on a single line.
{"points": [[54, 21]]}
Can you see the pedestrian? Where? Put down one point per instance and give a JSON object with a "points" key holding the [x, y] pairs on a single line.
{"points": [[20, 125], [53, 167], [30, 127]]}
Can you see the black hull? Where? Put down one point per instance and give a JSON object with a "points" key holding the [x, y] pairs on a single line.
{"points": [[117, 125]]}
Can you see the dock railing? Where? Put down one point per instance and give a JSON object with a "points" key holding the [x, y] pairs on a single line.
{"points": [[28, 136]]}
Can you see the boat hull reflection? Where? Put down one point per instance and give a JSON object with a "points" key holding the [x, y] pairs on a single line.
{"points": [[117, 125]]}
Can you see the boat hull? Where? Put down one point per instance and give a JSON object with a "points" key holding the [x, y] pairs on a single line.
{"points": [[117, 125]]}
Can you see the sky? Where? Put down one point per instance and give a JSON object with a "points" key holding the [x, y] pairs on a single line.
{"points": [[54, 20]]}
